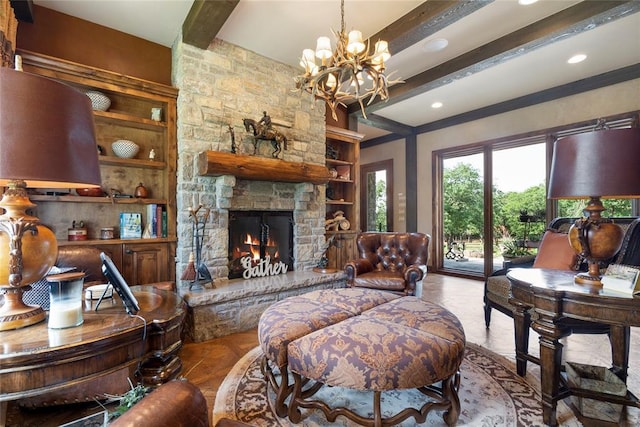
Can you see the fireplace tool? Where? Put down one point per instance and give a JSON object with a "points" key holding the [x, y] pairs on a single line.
{"points": [[202, 274]]}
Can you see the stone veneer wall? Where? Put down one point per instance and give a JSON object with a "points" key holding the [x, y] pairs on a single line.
{"points": [[219, 87]]}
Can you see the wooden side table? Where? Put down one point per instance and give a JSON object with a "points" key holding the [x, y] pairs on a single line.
{"points": [[39, 365], [561, 305]]}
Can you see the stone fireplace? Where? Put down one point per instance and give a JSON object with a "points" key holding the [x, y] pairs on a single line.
{"points": [[218, 88]]}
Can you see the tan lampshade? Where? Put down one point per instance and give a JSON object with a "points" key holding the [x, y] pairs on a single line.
{"points": [[604, 163], [47, 135]]}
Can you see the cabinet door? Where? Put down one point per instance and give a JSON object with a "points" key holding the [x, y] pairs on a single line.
{"points": [[145, 263]]}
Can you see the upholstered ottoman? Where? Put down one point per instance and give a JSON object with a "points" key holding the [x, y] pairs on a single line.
{"points": [[298, 316], [402, 344]]}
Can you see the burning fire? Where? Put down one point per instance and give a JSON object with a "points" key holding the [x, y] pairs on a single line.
{"points": [[251, 247]]}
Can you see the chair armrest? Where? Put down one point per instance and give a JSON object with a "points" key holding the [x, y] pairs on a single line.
{"points": [[413, 274], [521, 262], [176, 403], [359, 266]]}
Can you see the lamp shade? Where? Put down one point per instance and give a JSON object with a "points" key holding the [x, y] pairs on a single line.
{"points": [[603, 163], [47, 135]]}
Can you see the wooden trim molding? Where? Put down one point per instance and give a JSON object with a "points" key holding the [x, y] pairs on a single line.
{"points": [[217, 163]]}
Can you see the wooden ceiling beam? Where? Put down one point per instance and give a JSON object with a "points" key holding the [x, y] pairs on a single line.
{"points": [[562, 24], [23, 9], [204, 21], [423, 21]]}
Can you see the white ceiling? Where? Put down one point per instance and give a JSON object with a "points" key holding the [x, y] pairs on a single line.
{"points": [[280, 29]]}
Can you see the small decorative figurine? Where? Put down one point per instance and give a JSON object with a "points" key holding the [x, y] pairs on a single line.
{"points": [[263, 130], [152, 154]]}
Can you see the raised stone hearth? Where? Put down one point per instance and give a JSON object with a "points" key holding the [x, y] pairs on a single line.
{"points": [[236, 305]]}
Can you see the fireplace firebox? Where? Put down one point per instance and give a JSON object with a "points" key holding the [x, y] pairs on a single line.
{"points": [[259, 235]]}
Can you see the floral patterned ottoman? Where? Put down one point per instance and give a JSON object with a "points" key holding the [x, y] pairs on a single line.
{"points": [[297, 316], [401, 344]]}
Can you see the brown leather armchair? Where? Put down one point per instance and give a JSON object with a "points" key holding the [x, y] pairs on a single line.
{"points": [[174, 404], [395, 262]]}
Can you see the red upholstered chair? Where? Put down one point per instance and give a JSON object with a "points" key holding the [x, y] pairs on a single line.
{"points": [[395, 262]]}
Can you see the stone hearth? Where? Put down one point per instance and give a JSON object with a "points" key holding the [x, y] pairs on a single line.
{"points": [[236, 305]]}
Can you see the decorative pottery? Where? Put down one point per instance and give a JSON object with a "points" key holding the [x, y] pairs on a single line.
{"points": [[90, 192], [99, 101], [125, 148], [141, 192]]}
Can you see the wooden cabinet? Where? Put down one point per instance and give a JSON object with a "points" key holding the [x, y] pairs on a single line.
{"points": [[145, 263], [129, 117], [343, 157]]}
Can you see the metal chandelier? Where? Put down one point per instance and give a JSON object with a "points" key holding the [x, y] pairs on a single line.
{"points": [[350, 73]]}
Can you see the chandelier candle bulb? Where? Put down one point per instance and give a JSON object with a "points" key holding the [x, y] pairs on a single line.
{"points": [[355, 45], [323, 49]]}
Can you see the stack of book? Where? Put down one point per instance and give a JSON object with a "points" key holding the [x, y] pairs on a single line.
{"points": [[622, 278], [156, 221]]}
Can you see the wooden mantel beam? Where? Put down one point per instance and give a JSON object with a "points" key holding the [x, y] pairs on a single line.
{"points": [[216, 163]]}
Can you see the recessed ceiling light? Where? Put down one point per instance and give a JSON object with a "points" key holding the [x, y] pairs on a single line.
{"points": [[436, 104], [435, 45], [577, 58], [526, 2]]}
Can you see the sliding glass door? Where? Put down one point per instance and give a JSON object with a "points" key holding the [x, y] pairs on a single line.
{"points": [[491, 200]]}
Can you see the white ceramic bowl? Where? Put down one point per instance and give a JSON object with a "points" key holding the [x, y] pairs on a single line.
{"points": [[99, 101], [125, 148]]}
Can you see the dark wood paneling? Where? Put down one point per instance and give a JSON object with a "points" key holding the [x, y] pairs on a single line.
{"points": [[63, 36]]}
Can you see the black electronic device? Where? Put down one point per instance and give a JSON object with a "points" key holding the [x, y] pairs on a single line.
{"points": [[111, 272]]}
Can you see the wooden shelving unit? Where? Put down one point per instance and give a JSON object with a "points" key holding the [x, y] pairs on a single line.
{"points": [[343, 160], [129, 117]]}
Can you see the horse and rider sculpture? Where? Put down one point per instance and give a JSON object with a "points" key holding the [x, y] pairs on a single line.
{"points": [[263, 131]]}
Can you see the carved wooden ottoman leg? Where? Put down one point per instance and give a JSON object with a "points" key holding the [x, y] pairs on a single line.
{"points": [[294, 413], [450, 393], [281, 388]]}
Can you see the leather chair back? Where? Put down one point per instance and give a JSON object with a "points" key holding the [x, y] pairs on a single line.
{"points": [[393, 251]]}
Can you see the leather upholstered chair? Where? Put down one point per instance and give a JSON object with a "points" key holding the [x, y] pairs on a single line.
{"points": [[395, 262], [87, 259]]}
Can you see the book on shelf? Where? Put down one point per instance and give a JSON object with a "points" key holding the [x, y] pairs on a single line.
{"points": [[165, 228], [130, 225], [622, 278], [159, 221], [152, 220]]}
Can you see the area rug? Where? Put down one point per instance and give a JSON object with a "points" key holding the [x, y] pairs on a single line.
{"points": [[491, 394]]}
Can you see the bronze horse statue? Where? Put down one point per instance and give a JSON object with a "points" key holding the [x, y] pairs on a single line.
{"points": [[261, 132]]}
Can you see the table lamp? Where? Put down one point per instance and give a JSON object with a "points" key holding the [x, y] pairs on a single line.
{"points": [[47, 140], [594, 165]]}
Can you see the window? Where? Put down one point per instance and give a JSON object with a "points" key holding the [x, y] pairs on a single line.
{"points": [[376, 196], [493, 197]]}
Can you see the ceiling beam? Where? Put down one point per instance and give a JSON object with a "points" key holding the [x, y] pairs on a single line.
{"points": [[205, 19], [580, 17], [23, 10], [386, 124], [423, 21]]}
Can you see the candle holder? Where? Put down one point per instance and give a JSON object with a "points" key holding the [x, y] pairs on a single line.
{"points": [[65, 309]]}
